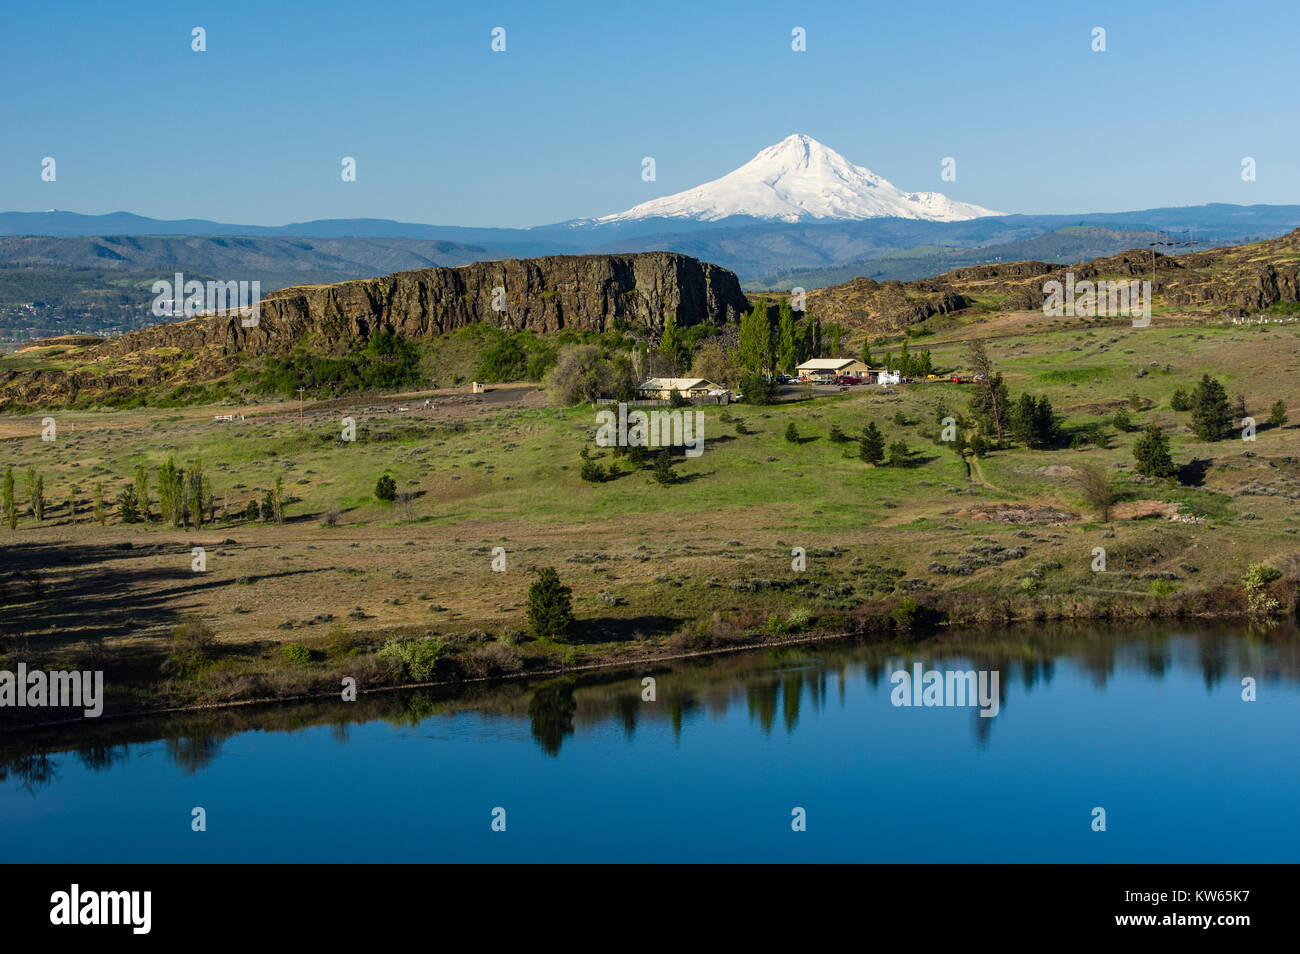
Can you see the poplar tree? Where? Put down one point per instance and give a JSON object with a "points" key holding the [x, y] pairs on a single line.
{"points": [[99, 513], [142, 492], [10, 504], [786, 349]]}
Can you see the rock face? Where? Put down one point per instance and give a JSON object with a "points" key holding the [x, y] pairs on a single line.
{"points": [[588, 292], [1228, 281]]}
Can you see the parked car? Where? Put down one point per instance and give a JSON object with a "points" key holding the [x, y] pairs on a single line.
{"points": [[848, 379], [783, 379]]}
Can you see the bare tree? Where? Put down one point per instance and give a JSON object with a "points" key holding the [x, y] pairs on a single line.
{"points": [[1097, 486], [405, 500]]}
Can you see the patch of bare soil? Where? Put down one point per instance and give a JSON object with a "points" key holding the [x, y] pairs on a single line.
{"points": [[1017, 513]]}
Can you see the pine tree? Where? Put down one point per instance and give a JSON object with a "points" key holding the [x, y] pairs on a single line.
{"points": [[1211, 418], [1151, 454], [873, 443], [1277, 416], [989, 401]]}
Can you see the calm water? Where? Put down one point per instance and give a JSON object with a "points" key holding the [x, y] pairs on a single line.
{"points": [[1148, 724]]}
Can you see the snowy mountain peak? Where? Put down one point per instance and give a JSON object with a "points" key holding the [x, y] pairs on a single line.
{"points": [[800, 179]]}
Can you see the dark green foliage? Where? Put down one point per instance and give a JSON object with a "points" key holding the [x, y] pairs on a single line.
{"points": [[386, 488], [1121, 421], [899, 454], [663, 470], [757, 389], [873, 444], [550, 606], [1211, 417], [1032, 422], [792, 433], [1181, 400], [592, 472], [385, 363], [127, 506], [252, 511], [1277, 416], [837, 435], [1151, 454]]}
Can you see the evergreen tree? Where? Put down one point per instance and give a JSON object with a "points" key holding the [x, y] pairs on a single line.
{"points": [[1211, 417], [550, 606], [126, 505], [817, 337], [663, 470], [1021, 420], [38, 501], [866, 352], [990, 400], [10, 503], [872, 444], [1046, 429], [1181, 400], [1151, 454], [898, 453], [1277, 416], [29, 486]]}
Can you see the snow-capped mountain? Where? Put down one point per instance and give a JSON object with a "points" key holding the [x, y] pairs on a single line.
{"points": [[796, 180]]}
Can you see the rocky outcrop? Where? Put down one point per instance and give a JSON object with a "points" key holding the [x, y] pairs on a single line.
{"points": [[586, 292]]}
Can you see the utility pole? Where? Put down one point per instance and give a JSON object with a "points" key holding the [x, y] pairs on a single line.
{"points": [[300, 390]]}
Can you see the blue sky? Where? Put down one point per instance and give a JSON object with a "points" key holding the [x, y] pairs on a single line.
{"points": [[445, 131]]}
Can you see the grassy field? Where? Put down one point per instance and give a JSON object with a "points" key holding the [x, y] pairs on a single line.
{"points": [[702, 563]]}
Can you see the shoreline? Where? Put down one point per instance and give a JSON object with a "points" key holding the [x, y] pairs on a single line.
{"points": [[607, 664]]}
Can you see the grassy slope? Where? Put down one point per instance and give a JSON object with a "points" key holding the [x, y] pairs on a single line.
{"points": [[509, 477]]}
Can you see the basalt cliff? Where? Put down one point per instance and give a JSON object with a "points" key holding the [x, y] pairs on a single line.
{"points": [[585, 292]]}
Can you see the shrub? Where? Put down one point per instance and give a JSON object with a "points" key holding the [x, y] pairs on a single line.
{"points": [[1181, 400], [386, 488], [494, 659], [296, 653], [898, 454], [416, 658], [592, 472], [799, 619], [1121, 420], [1277, 416], [792, 433], [776, 626], [837, 435]]}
